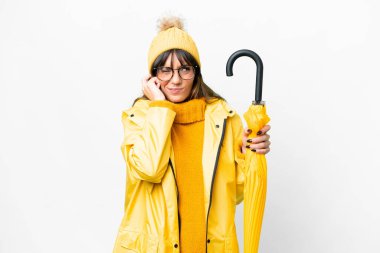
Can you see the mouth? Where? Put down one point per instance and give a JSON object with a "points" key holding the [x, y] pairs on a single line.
{"points": [[175, 90]]}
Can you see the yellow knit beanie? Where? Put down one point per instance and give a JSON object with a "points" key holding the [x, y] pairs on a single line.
{"points": [[171, 35]]}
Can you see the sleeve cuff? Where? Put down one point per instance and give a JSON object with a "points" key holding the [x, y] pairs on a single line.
{"points": [[162, 103]]}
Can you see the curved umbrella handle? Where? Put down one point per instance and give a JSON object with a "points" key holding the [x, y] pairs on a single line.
{"points": [[259, 71]]}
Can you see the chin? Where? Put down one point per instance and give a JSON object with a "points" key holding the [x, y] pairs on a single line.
{"points": [[176, 99]]}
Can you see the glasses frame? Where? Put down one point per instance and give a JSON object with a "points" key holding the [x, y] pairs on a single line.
{"points": [[195, 67]]}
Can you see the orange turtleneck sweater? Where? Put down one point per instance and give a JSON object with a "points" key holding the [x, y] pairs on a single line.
{"points": [[187, 139]]}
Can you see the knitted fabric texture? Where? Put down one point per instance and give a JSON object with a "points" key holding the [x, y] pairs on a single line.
{"points": [[170, 39], [187, 139]]}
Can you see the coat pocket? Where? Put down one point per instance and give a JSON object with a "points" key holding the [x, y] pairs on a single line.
{"points": [[134, 115], [226, 245], [138, 242]]}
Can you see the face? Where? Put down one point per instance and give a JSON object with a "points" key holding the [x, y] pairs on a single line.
{"points": [[176, 90]]}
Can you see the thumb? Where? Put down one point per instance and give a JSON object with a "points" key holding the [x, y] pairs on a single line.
{"points": [[247, 131]]}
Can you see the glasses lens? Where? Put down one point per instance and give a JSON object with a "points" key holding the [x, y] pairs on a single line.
{"points": [[164, 73], [186, 72]]}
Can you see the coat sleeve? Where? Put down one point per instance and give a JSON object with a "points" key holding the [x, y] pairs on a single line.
{"points": [[147, 144], [239, 157]]}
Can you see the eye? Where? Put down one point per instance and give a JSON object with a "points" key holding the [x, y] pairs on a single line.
{"points": [[165, 69], [185, 68]]}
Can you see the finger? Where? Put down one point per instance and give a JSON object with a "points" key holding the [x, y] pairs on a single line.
{"points": [[146, 84], [261, 145], [247, 131], [154, 81], [259, 139], [143, 85], [262, 151], [146, 78], [245, 136], [263, 130], [146, 88], [150, 83], [157, 81]]}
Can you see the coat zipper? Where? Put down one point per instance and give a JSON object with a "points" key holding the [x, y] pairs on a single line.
{"points": [[213, 177], [179, 217]]}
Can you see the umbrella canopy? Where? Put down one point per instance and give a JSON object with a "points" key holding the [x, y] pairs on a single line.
{"points": [[255, 185]]}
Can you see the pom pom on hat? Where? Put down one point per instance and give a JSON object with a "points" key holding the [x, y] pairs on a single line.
{"points": [[171, 34], [168, 22]]}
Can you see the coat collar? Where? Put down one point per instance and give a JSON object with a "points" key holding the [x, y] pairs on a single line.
{"points": [[215, 108]]}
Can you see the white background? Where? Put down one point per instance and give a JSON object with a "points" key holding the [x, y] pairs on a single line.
{"points": [[68, 69]]}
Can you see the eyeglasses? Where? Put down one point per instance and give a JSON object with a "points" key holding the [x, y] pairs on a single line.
{"points": [[186, 72]]}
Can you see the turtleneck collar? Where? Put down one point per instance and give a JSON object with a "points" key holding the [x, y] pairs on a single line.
{"points": [[190, 111]]}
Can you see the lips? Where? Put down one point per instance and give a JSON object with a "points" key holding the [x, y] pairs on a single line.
{"points": [[175, 90]]}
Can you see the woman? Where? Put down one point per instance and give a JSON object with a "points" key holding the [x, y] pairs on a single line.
{"points": [[184, 149]]}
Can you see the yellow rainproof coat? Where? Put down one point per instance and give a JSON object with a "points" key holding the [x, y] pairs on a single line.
{"points": [[151, 222]]}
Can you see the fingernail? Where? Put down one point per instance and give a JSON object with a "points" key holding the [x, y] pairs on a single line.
{"points": [[249, 131], [259, 132], [249, 140], [247, 146], [254, 150]]}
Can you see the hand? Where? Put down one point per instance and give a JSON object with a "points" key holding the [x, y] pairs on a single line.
{"points": [[259, 144], [151, 88]]}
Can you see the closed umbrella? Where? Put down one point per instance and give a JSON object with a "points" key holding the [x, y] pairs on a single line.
{"points": [[256, 166]]}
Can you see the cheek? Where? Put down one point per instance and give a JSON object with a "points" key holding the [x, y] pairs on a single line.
{"points": [[189, 84], [163, 84]]}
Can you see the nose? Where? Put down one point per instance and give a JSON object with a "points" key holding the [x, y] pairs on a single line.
{"points": [[176, 78]]}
